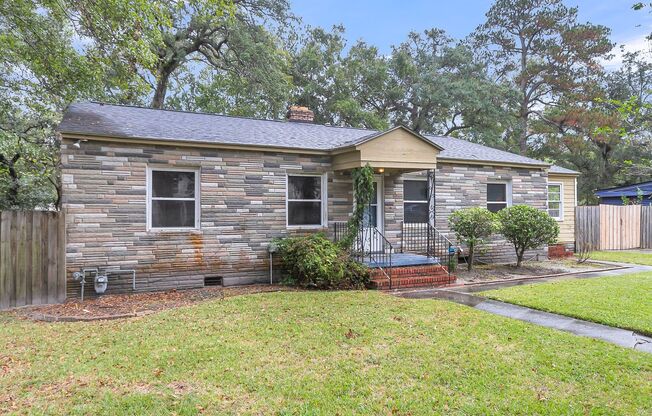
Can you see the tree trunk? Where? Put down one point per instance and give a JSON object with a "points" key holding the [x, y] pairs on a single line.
{"points": [[522, 140], [161, 90], [519, 257], [14, 187], [469, 265], [523, 110]]}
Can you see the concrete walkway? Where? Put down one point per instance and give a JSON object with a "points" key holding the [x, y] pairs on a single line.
{"points": [[617, 336]]}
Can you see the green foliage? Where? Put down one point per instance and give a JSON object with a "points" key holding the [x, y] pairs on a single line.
{"points": [[473, 226], [363, 186], [527, 228], [316, 262], [544, 53]]}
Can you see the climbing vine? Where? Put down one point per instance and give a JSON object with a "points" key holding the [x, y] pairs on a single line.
{"points": [[363, 188]]}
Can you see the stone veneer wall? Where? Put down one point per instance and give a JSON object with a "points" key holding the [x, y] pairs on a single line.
{"points": [[461, 186], [242, 209], [242, 196]]}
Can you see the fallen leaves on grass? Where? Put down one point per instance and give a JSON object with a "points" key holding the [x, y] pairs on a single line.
{"points": [[132, 304]]}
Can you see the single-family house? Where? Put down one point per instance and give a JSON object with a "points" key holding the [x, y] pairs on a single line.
{"points": [[187, 199]]}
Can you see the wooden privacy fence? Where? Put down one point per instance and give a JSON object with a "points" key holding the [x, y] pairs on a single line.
{"points": [[613, 227], [32, 258]]}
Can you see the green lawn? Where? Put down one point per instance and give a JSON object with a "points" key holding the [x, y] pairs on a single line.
{"points": [[623, 257], [622, 301], [316, 353]]}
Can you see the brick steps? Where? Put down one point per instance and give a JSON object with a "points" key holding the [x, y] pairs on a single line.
{"points": [[412, 276]]}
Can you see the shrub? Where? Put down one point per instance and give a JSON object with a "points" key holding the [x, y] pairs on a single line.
{"points": [[314, 261], [472, 226], [527, 228]]}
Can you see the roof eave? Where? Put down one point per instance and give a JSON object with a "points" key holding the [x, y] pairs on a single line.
{"points": [[449, 159], [189, 143]]}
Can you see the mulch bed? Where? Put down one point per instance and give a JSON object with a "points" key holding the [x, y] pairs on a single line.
{"points": [[490, 272], [136, 304]]}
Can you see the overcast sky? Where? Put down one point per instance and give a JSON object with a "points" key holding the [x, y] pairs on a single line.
{"points": [[387, 22]]}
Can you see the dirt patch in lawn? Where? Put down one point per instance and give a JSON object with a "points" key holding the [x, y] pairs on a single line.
{"points": [[136, 304], [486, 272]]}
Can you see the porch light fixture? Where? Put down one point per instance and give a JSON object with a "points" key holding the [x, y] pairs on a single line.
{"points": [[77, 143], [381, 170]]}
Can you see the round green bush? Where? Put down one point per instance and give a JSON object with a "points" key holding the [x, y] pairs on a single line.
{"points": [[315, 261], [527, 228]]}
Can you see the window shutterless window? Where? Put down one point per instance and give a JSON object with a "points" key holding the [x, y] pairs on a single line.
{"points": [[555, 206], [172, 198], [497, 196], [415, 201], [305, 200]]}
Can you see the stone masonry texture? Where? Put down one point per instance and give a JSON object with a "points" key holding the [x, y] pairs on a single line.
{"points": [[243, 207]]}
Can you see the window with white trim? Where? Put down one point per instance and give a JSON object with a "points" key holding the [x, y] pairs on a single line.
{"points": [[498, 196], [415, 201], [173, 198], [305, 200], [555, 206]]}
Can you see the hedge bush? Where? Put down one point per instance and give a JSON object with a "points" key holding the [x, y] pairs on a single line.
{"points": [[473, 226], [527, 228], [316, 262]]}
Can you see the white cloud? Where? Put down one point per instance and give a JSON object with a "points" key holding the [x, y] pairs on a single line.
{"points": [[639, 43]]}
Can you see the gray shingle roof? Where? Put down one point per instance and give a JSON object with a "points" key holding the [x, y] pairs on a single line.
{"points": [[90, 118], [559, 169], [147, 123]]}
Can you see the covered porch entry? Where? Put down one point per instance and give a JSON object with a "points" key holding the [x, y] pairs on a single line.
{"points": [[398, 239]]}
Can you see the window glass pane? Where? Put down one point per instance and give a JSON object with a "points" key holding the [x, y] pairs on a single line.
{"points": [[173, 214], [554, 192], [554, 213], [304, 187], [415, 190], [415, 212], [370, 216], [497, 192], [495, 207], [304, 213], [374, 196], [170, 184]]}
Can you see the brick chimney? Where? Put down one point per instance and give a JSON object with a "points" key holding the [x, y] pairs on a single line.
{"points": [[300, 114]]}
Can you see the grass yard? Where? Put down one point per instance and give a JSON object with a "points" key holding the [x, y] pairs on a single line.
{"points": [[622, 301], [316, 353], [624, 256]]}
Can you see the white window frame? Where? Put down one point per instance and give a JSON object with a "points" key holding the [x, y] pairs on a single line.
{"points": [[561, 200], [508, 193], [196, 199], [323, 200], [426, 201]]}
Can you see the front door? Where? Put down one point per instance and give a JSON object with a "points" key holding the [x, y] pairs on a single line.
{"points": [[373, 218]]}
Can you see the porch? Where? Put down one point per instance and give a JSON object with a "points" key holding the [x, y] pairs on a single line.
{"points": [[424, 257], [397, 239]]}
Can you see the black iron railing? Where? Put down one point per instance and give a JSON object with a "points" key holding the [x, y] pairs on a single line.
{"points": [[369, 247], [423, 238]]}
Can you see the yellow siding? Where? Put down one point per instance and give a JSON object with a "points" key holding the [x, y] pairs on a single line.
{"points": [[396, 149], [567, 224]]}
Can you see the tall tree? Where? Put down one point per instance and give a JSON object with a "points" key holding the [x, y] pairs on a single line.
{"points": [[606, 137], [40, 73], [429, 83], [440, 86], [341, 88], [158, 38], [539, 46]]}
